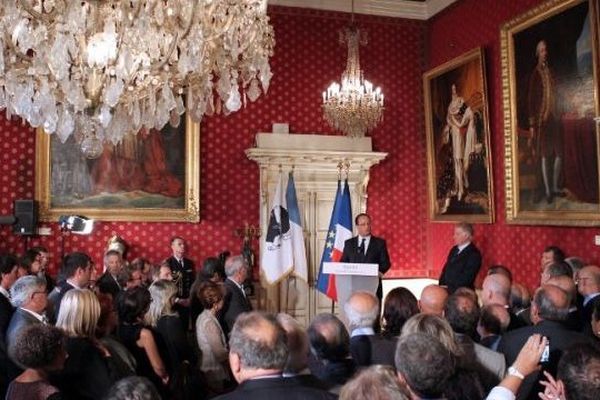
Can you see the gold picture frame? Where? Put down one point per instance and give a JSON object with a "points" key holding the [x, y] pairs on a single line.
{"points": [[166, 189], [458, 141], [549, 59]]}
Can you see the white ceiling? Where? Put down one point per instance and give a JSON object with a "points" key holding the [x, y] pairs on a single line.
{"points": [[422, 10]]}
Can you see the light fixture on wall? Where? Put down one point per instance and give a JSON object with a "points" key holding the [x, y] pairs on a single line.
{"points": [[103, 69], [354, 106]]}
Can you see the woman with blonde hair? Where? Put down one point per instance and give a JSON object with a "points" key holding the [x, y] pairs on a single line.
{"points": [[88, 371], [167, 324], [465, 383]]}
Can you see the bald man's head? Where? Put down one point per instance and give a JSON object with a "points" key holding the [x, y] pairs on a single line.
{"points": [[433, 300], [567, 284], [549, 303], [362, 310], [496, 290], [588, 280]]}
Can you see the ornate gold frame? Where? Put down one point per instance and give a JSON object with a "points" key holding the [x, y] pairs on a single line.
{"points": [[428, 77], [189, 213], [536, 15]]}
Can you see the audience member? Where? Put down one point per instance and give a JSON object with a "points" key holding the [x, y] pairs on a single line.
{"points": [[167, 324], [131, 277], [77, 271], [463, 262], [595, 323], [493, 322], [257, 356], [28, 296], [210, 337], [88, 370], [40, 350], [362, 310], [133, 388], [8, 276], [43, 257], [520, 300], [212, 270], [576, 264], [108, 322], [132, 306], [330, 351], [501, 270], [527, 362], [30, 262], [399, 305], [235, 301], [433, 300], [161, 271], [578, 375], [567, 284], [555, 269], [551, 255], [109, 281], [464, 383], [378, 382], [462, 313], [589, 287], [145, 268], [549, 308], [496, 290], [424, 365], [182, 269]]}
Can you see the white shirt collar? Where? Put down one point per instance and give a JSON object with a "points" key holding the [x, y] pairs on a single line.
{"points": [[238, 285], [39, 317], [589, 298], [5, 292], [70, 282], [463, 246], [363, 331]]}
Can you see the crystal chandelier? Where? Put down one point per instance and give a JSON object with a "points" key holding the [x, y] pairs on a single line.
{"points": [[353, 107], [102, 69]]}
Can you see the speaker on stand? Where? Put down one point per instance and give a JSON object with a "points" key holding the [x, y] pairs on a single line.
{"points": [[26, 215]]}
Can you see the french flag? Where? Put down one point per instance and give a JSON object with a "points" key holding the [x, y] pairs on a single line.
{"points": [[340, 230]]}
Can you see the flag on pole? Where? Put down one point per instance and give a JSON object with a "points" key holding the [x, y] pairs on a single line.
{"points": [[299, 251], [340, 229], [277, 255]]}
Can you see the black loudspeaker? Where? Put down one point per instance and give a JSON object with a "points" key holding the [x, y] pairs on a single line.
{"points": [[26, 213]]}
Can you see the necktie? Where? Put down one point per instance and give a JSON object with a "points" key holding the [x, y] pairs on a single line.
{"points": [[361, 248]]}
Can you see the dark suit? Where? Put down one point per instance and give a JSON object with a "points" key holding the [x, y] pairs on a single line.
{"points": [[20, 320], [369, 350], [183, 276], [234, 304], [54, 299], [277, 388], [586, 315], [6, 312], [560, 338], [461, 268], [376, 254], [108, 284]]}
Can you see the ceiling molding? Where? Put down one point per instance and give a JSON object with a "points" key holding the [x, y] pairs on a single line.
{"points": [[386, 8]]}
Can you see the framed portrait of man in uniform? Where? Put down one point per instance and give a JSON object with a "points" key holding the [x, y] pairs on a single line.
{"points": [[550, 94], [152, 175], [458, 140]]}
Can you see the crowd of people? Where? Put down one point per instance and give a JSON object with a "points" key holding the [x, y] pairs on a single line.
{"points": [[144, 331]]}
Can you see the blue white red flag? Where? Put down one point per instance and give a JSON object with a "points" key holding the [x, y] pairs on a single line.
{"points": [[340, 229]]}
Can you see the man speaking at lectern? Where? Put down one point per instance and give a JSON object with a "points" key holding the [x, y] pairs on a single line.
{"points": [[367, 249]]}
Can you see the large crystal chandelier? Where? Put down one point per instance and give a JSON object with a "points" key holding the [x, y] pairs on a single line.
{"points": [[106, 68], [354, 107]]}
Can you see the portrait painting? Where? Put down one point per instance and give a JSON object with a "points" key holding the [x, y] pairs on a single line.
{"points": [[152, 175], [458, 142], [550, 85]]}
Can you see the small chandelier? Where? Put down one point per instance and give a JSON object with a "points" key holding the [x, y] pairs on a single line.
{"points": [[103, 69], [353, 107]]}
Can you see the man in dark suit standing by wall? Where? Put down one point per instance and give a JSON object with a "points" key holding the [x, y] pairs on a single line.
{"points": [[463, 262], [235, 301], [182, 269], [367, 249]]}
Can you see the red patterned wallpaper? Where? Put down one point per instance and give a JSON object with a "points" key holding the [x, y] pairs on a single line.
{"points": [[463, 26], [307, 59]]}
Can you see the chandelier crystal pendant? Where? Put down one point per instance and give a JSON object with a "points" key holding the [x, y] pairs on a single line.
{"points": [[103, 69], [354, 106]]}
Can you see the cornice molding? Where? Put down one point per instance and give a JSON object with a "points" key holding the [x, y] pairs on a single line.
{"points": [[386, 8]]}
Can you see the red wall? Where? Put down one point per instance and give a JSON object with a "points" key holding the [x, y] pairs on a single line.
{"points": [[307, 59], [463, 26]]}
